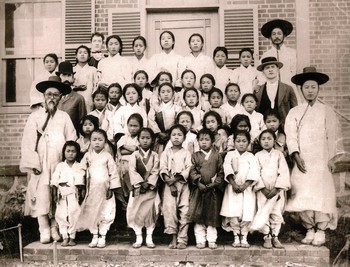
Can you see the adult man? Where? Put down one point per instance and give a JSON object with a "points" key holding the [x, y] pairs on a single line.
{"points": [[277, 30], [72, 103], [313, 138], [44, 135], [274, 94], [96, 49]]}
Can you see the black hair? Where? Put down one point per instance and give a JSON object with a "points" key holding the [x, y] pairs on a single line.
{"points": [[196, 34], [119, 41], [100, 131], [136, 87], [70, 143], [52, 55], [237, 119], [100, 91], [155, 81], [215, 115], [137, 117], [272, 112], [172, 36], [184, 112], [209, 76], [246, 49], [180, 127], [191, 89], [232, 84], [188, 71], [249, 95], [148, 130], [240, 133], [226, 128], [206, 132], [139, 72], [97, 34], [215, 90], [166, 84], [93, 119], [115, 85], [268, 131], [86, 48], [220, 48], [143, 39]]}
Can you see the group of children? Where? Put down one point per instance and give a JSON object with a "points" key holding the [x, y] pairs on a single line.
{"points": [[187, 145]]}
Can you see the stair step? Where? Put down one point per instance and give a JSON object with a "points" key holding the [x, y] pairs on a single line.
{"points": [[122, 252]]}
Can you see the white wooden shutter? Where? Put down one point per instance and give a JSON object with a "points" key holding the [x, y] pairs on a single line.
{"points": [[240, 31], [79, 17], [127, 24]]}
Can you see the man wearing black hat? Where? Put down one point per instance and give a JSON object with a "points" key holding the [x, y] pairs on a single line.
{"points": [[277, 30], [313, 138], [45, 133], [73, 103], [274, 94]]}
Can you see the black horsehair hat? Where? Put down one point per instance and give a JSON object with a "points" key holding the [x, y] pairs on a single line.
{"points": [[54, 82], [284, 25], [310, 73]]}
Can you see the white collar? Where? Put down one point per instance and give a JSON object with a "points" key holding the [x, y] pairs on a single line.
{"points": [[206, 154]]}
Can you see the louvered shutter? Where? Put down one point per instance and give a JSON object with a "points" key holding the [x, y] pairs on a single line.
{"points": [[126, 24], [240, 31], [79, 25]]}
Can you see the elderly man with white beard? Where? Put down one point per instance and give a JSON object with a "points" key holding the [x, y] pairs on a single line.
{"points": [[44, 135]]}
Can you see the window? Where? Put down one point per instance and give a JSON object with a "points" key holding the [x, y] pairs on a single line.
{"points": [[31, 29]]}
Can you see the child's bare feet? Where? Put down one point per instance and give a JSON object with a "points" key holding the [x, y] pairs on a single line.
{"points": [[173, 242], [181, 246]]}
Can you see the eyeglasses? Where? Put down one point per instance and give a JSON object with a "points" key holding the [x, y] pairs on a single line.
{"points": [[53, 95]]}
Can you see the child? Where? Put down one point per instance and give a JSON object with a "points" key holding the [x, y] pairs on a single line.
{"points": [[143, 206], [114, 67], [175, 164], [127, 145], [162, 77], [215, 99], [98, 209], [188, 79], [132, 95], [88, 124], [197, 60], [246, 76], [238, 205], [249, 102], [85, 77], [68, 181], [115, 93], [233, 106], [161, 119], [274, 181], [206, 175], [191, 99], [139, 60], [167, 59], [100, 98], [207, 83], [141, 79], [240, 122], [212, 121], [222, 74], [185, 118], [36, 98]]}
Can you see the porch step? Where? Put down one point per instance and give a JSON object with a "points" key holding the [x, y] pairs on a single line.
{"points": [[225, 254]]}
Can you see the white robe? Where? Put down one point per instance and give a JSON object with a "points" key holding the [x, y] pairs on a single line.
{"points": [[313, 132]]}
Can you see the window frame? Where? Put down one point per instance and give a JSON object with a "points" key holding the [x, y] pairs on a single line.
{"points": [[13, 107]]}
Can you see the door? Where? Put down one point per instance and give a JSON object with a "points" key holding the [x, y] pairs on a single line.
{"points": [[183, 25]]}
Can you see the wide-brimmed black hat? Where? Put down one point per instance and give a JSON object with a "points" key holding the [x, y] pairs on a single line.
{"points": [[268, 61], [284, 25], [54, 82], [65, 67], [310, 73]]}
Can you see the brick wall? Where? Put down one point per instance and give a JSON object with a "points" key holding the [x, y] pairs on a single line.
{"points": [[330, 53]]}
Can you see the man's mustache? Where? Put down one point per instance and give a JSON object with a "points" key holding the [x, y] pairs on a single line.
{"points": [[67, 82]]}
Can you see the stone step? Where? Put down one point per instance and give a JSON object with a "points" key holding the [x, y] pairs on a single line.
{"points": [[122, 252]]}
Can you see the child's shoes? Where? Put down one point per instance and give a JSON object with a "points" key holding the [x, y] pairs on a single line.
{"points": [[267, 242], [275, 242], [65, 242], [212, 245], [94, 242], [149, 242], [181, 246], [54, 233], [309, 237], [101, 243], [138, 242], [244, 242], [200, 245], [72, 242], [236, 243], [320, 238]]}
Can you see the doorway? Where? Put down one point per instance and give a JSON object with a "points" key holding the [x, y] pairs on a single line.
{"points": [[183, 25]]}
